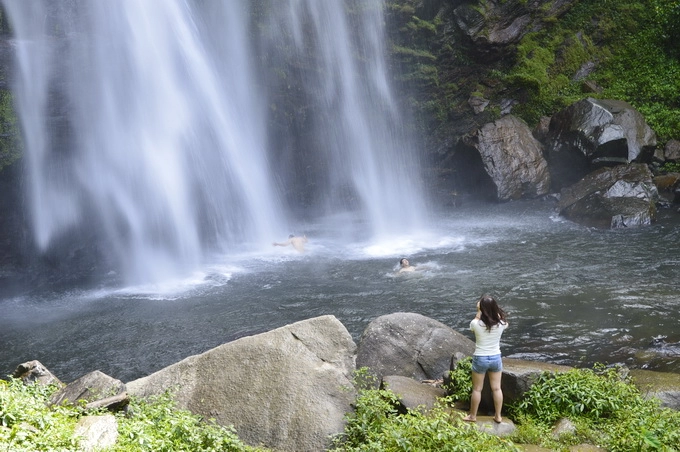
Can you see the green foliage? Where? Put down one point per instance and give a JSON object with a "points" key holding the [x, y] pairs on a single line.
{"points": [[417, 24], [577, 393], [545, 64], [631, 46], [460, 386], [642, 72], [157, 425], [421, 54], [529, 432], [376, 425], [632, 58], [607, 410], [27, 423], [645, 427], [667, 14], [671, 167]]}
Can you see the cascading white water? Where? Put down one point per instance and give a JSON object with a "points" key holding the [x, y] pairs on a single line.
{"points": [[168, 142], [362, 131], [166, 152]]}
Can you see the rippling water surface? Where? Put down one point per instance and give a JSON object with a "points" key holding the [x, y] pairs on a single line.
{"points": [[574, 295]]}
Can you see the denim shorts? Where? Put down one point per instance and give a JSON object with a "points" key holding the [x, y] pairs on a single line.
{"points": [[484, 364]]}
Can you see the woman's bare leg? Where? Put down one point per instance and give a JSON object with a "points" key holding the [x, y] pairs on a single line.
{"points": [[476, 396], [495, 381]]}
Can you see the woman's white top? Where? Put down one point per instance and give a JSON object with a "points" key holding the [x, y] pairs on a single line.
{"points": [[487, 342]]}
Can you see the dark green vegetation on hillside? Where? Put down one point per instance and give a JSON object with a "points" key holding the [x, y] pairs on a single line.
{"points": [[627, 47]]}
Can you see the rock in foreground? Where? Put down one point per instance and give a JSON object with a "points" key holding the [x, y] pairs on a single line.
{"points": [[285, 389]]}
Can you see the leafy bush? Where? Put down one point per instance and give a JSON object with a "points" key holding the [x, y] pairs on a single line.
{"points": [[668, 17], [375, 425], [670, 167], [644, 427], [577, 393], [27, 423], [157, 426], [460, 386], [608, 411]]}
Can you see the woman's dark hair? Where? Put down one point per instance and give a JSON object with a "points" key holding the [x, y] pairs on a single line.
{"points": [[401, 261], [491, 313]]}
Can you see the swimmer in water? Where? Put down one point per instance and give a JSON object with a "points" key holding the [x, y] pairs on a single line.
{"points": [[296, 242], [405, 266]]}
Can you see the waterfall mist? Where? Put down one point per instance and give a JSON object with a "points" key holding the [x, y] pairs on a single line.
{"points": [[156, 126]]}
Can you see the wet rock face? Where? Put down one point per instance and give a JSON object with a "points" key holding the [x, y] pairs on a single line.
{"points": [[622, 196], [593, 133], [513, 159], [493, 25], [671, 151]]}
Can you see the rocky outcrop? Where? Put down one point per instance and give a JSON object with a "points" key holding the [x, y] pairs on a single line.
{"points": [[592, 133], [668, 186], [622, 196], [671, 151], [412, 394], [287, 389], [493, 25], [410, 345], [95, 390], [513, 158], [34, 372]]}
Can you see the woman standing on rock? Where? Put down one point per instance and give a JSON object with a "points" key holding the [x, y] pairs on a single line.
{"points": [[488, 326]]}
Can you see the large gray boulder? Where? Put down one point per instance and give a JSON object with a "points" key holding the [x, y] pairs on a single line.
{"points": [[513, 158], [621, 196], [592, 133], [410, 345], [287, 389]]}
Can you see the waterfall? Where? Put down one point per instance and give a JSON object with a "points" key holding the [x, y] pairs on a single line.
{"points": [[149, 124], [370, 163]]}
